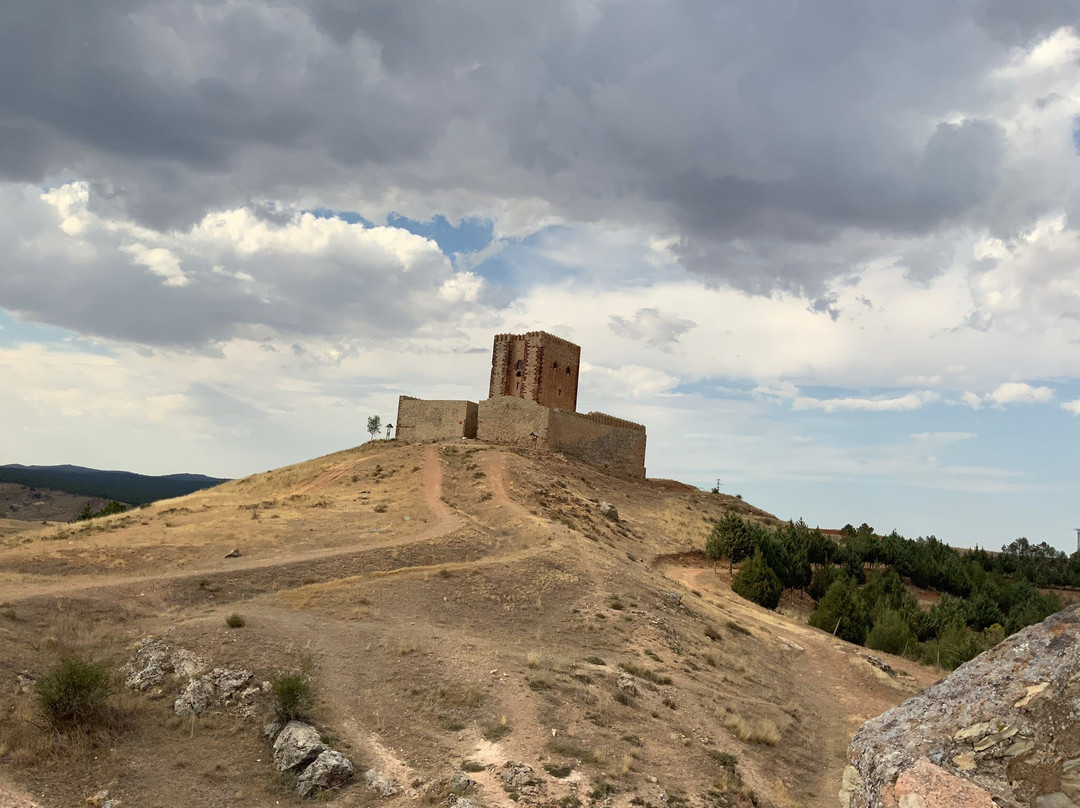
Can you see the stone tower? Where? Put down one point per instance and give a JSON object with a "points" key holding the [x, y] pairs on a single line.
{"points": [[537, 366]]}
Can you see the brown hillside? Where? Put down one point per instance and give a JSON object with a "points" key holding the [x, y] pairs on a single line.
{"points": [[458, 602]]}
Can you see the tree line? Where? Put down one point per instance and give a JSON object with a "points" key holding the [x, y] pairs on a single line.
{"points": [[858, 585]]}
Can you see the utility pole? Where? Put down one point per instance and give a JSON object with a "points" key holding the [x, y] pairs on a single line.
{"points": [[1077, 539]]}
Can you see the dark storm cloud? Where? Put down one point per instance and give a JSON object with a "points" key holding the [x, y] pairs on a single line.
{"points": [[759, 132]]}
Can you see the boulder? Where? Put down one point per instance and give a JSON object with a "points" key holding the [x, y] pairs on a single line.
{"points": [[226, 681], [461, 782], [1000, 730], [185, 664], [149, 664], [195, 698], [381, 784], [328, 770], [609, 511], [297, 745]]}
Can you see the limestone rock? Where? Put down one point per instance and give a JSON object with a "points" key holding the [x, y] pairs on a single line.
{"points": [[461, 782], [328, 770], [626, 684], [149, 664], [520, 778], [297, 745], [226, 681], [609, 511], [195, 698], [465, 802], [381, 784], [185, 664], [270, 731], [1002, 729]]}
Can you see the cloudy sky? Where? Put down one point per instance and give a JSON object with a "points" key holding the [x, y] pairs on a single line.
{"points": [[828, 252]]}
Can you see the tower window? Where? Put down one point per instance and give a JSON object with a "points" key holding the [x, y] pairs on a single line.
{"points": [[554, 364], [567, 370], [518, 366]]}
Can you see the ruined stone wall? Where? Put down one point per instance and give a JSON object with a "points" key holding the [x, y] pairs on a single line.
{"points": [[421, 419], [600, 439], [512, 421]]}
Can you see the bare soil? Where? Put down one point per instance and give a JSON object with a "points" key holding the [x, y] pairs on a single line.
{"points": [[455, 602]]}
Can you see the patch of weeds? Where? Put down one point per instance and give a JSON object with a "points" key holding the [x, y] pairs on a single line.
{"points": [[496, 732], [484, 497], [293, 693], [595, 660], [472, 766], [670, 703], [739, 628], [567, 747], [539, 683], [570, 801], [415, 469], [645, 673], [478, 475], [380, 509], [633, 740], [235, 620], [601, 789], [710, 659], [725, 759], [532, 659], [558, 770], [713, 634], [76, 693], [653, 655], [10, 614], [445, 573], [616, 604], [624, 698]]}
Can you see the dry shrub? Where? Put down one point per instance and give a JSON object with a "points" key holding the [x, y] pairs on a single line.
{"points": [[753, 730], [532, 659]]}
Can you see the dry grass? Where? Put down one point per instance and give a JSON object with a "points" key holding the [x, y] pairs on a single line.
{"points": [[532, 659], [753, 730]]}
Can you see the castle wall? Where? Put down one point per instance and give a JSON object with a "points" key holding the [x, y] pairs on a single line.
{"points": [[600, 439], [512, 421], [424, 419]]}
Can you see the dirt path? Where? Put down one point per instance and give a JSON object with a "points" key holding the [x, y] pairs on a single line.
{"points": [[829, 675], [446, 521]]}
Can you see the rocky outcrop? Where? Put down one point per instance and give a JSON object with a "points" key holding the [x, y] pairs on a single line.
{"points": [[296, 746], [1001, 730], [220, 686], [154, 658], [328, 770], [381, 784]]}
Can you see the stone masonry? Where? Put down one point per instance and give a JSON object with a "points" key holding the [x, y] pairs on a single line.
{"points": [[536, 366], [532, 402]]}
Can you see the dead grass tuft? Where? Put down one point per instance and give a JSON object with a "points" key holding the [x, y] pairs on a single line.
{"points": [[754, 730]]}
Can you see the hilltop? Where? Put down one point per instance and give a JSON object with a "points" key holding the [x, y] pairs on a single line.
{"points": [[458, 602]]}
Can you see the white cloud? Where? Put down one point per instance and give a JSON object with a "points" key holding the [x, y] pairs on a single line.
{"points": [[1072, 406], [1020, 393], [907, 402]]}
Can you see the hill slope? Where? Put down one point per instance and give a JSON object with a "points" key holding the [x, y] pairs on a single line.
{"points": [[123, 486], [454, 603]]}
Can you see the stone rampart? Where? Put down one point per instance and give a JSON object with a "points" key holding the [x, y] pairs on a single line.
{"points": [[513, 421], [600, 439], [421, 419]]}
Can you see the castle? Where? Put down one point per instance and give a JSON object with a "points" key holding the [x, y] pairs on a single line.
{"points": [[532, 401]]}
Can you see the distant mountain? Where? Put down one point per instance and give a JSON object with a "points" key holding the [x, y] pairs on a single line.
{"points": [[124, 486]]}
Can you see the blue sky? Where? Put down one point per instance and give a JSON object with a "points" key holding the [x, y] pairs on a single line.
{"points": [[833, 261]]}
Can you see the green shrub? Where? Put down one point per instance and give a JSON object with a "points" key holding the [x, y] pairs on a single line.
{"points": [[891, 634], [758, 583], [235, 621], [76, 693], [293, 695], [842, 612], [953, 647], [821, 580]]}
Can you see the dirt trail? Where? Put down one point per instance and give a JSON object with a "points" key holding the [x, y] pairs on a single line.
{"points": [[445, 522], [828, 674]]}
